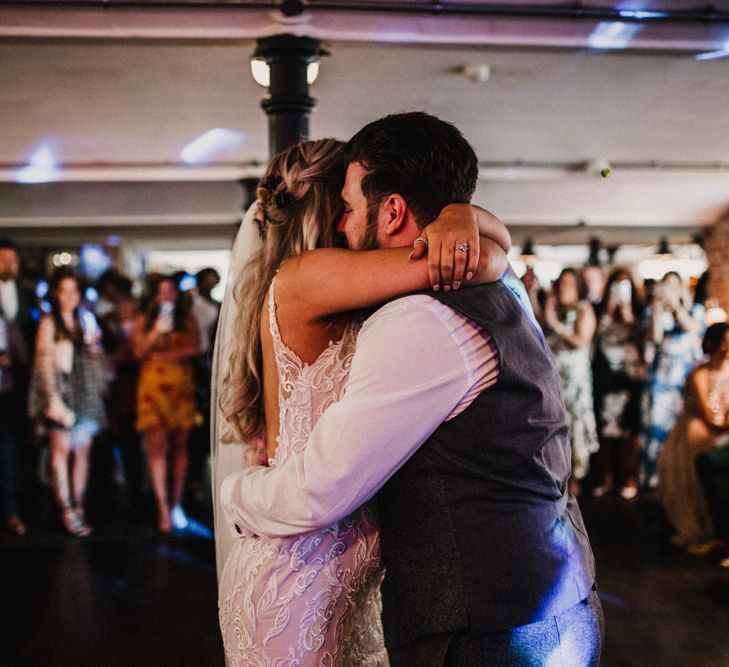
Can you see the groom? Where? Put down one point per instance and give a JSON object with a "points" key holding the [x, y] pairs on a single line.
{"points": [[453, 416]]}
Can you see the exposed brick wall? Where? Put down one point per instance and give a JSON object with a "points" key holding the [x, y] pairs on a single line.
{"points": [[716, 245]]}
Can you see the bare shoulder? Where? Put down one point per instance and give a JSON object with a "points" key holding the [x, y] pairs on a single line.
{"points": [[698, 379], [699, 374], [46, 326]]}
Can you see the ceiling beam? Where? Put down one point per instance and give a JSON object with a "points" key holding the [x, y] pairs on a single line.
{"points": [[135, 173], [151, 172], [230, 22]]}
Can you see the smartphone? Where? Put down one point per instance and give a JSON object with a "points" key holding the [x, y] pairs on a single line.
{"points": [[165, 316], [622, 291]]}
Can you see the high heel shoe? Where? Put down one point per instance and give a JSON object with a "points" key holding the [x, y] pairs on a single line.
{"points": [[88, 529], [73, 523], [178, 518]]}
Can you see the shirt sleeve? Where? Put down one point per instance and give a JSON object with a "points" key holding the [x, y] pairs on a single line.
{"points": [[407, 376]]}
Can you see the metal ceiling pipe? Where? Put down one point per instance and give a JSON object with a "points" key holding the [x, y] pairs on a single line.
{"points": [[288, 104], [706, 14], [701, 14]]}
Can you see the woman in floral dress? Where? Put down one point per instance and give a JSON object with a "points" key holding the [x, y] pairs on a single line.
{"points": [[673, 346], [569, 323]]}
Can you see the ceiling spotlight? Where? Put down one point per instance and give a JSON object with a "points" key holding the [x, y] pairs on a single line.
{"points": [[664, 250], [478, 73], [715, 55], [312, 72], [42, 167], [262, 72], [613, 35], [209, 144], [528, 254], [595, 245]]}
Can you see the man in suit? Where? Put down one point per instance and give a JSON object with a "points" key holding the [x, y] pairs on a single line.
{"points": [[453, 416], [16, 340]]}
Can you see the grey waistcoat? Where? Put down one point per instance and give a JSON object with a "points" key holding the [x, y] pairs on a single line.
{"points": [[477, 527]]}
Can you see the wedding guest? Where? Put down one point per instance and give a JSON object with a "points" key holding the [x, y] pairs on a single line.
{"points": [[619, 374], [701, 427], [206, 310], [534, 291], [673, 346], [569, 324], [108, 287], [16, 335], [594, 281], [165, 339], [67, 395], [124, 439]]}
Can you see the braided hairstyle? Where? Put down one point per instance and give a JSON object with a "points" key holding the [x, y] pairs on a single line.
{"points": [[299, 202]]}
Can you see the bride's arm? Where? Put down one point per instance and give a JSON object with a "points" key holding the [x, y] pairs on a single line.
{"points": [[444, 266], [322, 282]]}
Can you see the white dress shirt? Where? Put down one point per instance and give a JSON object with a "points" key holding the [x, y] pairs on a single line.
{"points": [[9, 299], [417, 364]]}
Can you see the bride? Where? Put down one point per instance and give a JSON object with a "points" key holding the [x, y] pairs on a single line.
{"points": [[284, 352]]}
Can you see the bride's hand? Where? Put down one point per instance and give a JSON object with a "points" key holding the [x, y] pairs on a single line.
{"points": [[452, 246], [254, 452]]}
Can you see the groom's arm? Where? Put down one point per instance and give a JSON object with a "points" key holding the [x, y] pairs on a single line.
{"points": [[407, 376]]}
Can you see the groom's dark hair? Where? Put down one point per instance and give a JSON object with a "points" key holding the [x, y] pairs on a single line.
{"points": [[426, 160]]}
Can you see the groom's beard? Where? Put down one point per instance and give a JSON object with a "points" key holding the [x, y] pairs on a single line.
{"points": [[369, 240]]}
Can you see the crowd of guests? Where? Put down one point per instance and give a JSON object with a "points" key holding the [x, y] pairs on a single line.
{"points": [[646, 387], [645, 384], [129, 376]]}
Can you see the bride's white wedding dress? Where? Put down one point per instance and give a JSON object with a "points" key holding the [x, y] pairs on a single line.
{"points": [[310, 599]]}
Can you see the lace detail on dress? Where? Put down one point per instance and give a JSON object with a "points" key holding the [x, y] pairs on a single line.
{"points": [[309, 599], [306, 390]]}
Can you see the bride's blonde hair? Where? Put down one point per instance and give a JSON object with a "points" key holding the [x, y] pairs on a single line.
{"points": [[299, 202]]}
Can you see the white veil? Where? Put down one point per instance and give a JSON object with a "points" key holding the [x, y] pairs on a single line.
{"points": [[227, 458]]}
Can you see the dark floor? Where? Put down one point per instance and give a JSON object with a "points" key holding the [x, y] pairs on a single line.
{"points": [[662, 606], [127, 596]]}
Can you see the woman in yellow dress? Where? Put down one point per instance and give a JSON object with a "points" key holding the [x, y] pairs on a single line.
{"points": [[165, 339]]}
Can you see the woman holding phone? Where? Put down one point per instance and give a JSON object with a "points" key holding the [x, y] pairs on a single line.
{"points": [[673, 346], [619, 375], [165, 339]]}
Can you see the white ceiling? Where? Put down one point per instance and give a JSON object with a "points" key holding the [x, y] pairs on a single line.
{"points": [[123, 111]]}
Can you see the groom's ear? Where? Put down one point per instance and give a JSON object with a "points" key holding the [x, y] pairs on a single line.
{"points": [[395, 211]]}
